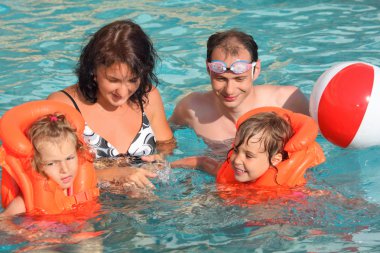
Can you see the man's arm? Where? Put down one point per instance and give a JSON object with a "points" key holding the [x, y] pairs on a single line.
{"points": [[181, 114]]}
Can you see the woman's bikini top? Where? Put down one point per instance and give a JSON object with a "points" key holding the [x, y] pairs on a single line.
{"points": [[144, 142]]}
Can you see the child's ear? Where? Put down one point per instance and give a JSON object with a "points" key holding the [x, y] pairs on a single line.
{"points": [[276, 159]]}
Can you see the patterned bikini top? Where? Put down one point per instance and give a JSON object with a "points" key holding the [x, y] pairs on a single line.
{"points": [[144, 142]]}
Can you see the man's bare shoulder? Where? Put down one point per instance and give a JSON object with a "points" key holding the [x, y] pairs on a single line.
{"points": [[196, 99], [286, 96], [279, 90]]}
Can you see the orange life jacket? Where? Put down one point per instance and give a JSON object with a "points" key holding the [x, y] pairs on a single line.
{"points": [[40, 194], [304, 152]]}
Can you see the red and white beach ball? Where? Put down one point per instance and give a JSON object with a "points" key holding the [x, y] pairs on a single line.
{"points": [[345, 102]]}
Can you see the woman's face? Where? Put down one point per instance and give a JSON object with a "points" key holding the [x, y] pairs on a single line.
{"points": [[116, 84]]}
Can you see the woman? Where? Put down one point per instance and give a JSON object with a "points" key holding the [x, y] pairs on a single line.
{"points": [[123, 111]]}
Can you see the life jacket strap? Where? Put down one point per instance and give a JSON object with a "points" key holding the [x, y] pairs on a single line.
{"points": [[85, 196]]}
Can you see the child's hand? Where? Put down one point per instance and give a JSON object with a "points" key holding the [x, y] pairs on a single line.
{"points": [[203, 163], [191, 162]]}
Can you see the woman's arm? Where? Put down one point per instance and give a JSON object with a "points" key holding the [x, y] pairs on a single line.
{"points": [[156, 115]]}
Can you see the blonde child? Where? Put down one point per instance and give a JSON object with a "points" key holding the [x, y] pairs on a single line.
{"points": [[56, 157]]}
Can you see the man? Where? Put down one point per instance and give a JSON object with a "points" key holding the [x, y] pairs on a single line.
{"points": [[233, 66]]}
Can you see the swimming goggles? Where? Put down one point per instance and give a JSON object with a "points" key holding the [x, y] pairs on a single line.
{"points": [[237, 67]]}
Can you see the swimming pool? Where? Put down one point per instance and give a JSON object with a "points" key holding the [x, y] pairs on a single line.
{"points": [[298, 40]]}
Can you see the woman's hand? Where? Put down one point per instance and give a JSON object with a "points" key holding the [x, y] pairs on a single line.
{"points": [[138, 177], [153, 158]]}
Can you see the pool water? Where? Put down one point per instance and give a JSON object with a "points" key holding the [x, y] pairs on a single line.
{"points": [[298, 41]]}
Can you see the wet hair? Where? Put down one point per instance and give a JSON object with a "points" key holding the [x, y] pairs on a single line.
{"points": [[275, 132], [52, 128], [121, 41], [231, 41]]}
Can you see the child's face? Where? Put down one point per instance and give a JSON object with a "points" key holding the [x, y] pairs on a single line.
{"points": [[59, 161], [250, 160]]}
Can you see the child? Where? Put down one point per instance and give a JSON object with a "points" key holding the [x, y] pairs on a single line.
{"points": [[259, 144], [59, 169], [273, 147]]}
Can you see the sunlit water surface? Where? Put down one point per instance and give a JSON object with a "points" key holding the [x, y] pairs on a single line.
{"points": [[298, 40]]}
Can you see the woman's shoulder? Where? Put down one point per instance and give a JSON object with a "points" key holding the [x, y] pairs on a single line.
{"points": [[60, 94], [66, 95]]}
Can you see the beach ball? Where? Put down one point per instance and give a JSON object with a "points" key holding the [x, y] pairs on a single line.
{"points": [[345, 102]]}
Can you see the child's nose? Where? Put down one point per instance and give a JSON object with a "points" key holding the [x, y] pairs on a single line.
{"points": [[237, 158], [64, 167]]}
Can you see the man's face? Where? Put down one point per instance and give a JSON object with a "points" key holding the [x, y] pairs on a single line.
{"points": [[231, 88]]}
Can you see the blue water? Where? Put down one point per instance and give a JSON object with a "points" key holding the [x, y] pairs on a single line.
{"points": [[298, 40]]}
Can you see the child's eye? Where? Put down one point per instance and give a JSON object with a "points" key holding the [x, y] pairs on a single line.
{"points": [[70, 158], [49, 164], [250, 155]]}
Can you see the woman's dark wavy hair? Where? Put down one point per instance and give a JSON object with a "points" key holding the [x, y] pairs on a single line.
{"points": [[121, 41]]}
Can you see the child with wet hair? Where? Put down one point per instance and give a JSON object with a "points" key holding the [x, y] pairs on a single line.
{"points": [[50, 136], [56, 150], [258, 145]]}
